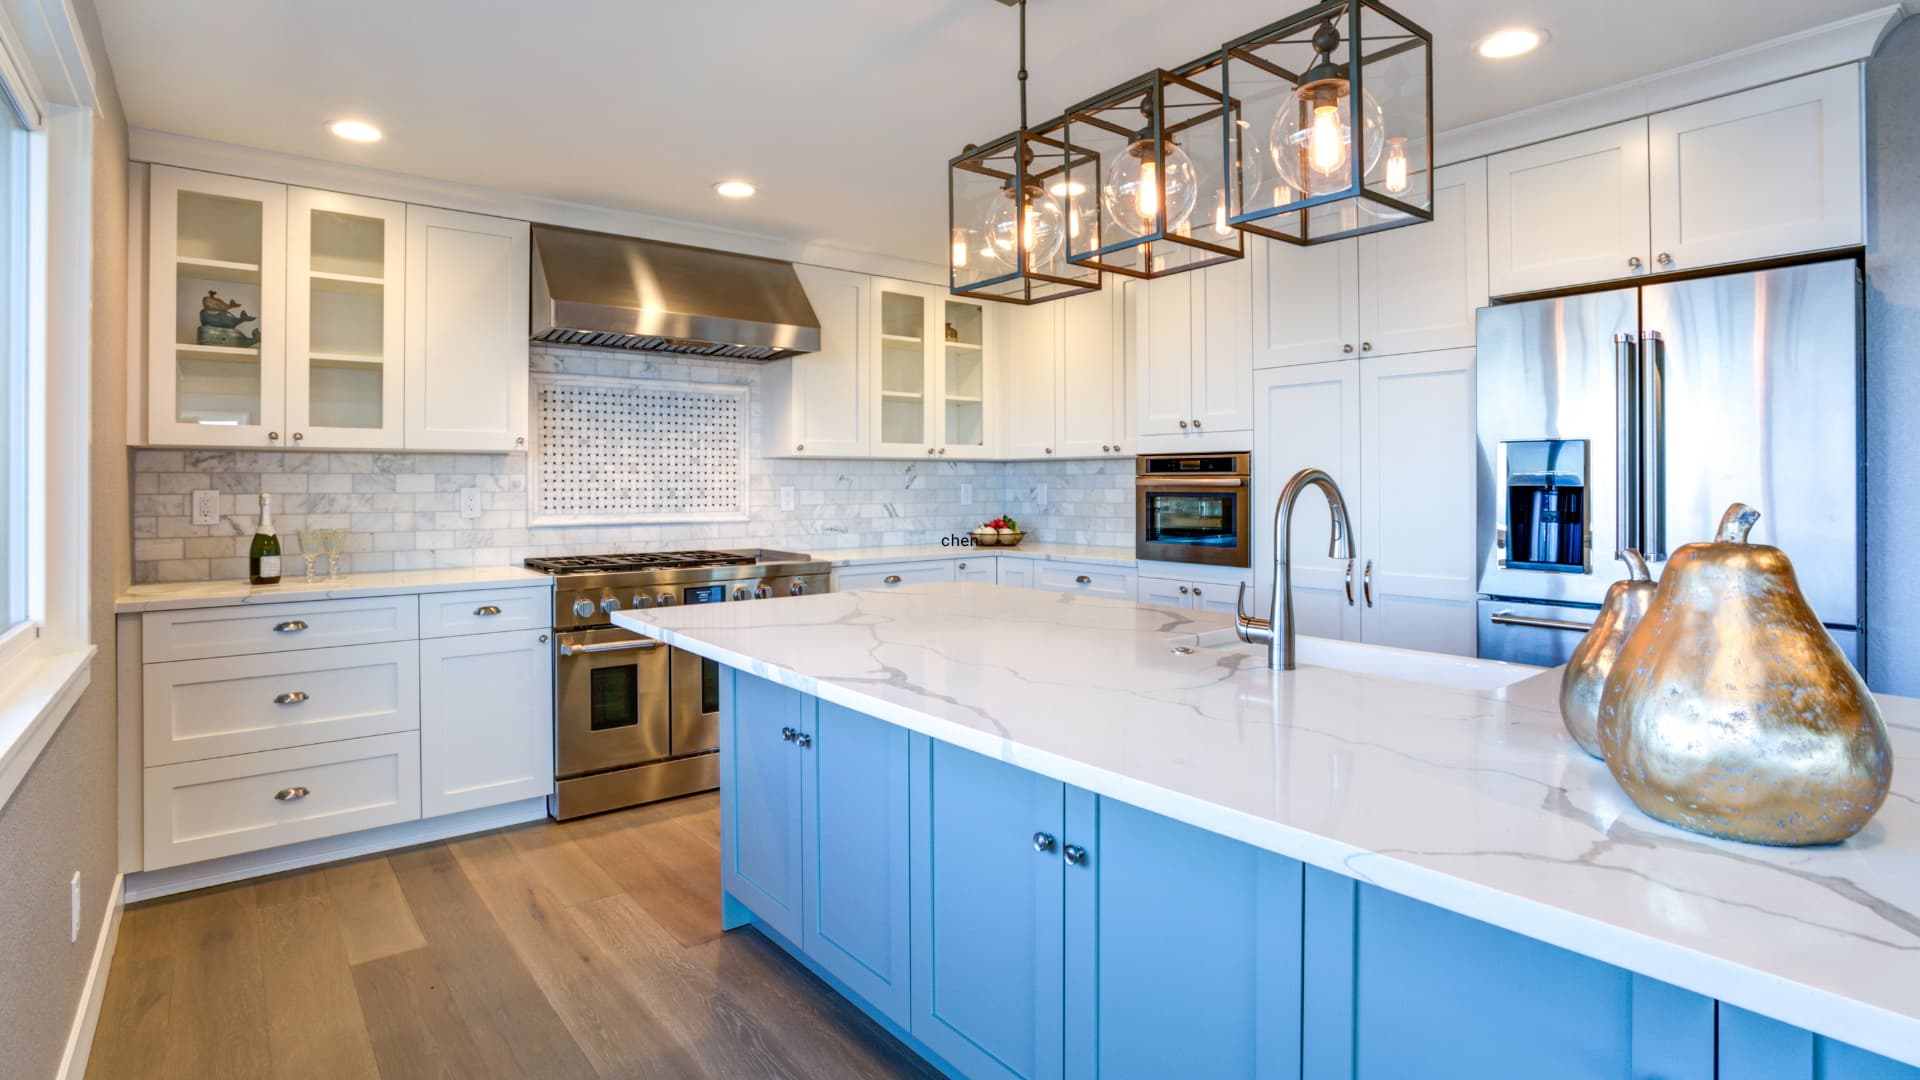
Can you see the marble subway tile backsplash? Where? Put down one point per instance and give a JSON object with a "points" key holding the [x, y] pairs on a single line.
{"points": [[401, 510]]}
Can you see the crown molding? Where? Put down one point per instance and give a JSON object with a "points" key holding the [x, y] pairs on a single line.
{"points": [[1844, 41], [163, 148]]}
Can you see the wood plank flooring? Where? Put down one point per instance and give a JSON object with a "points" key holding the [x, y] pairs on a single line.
{"points": [[586, 949]]}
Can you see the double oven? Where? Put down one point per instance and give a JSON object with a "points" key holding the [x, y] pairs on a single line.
{"points": [[1194, 508]]}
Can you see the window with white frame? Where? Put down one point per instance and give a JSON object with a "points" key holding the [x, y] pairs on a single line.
{"points": [[17, 384]]}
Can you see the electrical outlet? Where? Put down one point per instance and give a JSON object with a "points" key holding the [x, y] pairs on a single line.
{"points": [[786, 497], [469, 503], [1040, 494], [206, 508], [73, 924], [966, 494]]}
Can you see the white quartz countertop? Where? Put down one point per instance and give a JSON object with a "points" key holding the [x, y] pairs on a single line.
{"points": [[1457, 791], [1028, 549], [293, 587]]}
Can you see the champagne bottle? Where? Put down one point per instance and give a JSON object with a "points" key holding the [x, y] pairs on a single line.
{"points": [[263, 559]]}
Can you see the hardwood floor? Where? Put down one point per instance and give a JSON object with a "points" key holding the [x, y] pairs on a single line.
{"points": [[584, 949]]}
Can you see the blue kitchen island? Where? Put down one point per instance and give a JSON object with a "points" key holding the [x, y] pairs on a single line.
{"points": [[1047, 836]]}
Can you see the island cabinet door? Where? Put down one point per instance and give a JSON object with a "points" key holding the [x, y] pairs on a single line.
{"points": [[1754, 1047], [1183, 950], [854, 817], [1395, 988], [760, 799], [987, 904]]}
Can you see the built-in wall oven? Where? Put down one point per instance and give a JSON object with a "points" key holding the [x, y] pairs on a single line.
{"points": [[1194, 508]]}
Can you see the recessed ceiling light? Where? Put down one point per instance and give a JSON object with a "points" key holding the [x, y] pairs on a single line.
{"points": [[734, 189], [1512, 42], [355, 130]]}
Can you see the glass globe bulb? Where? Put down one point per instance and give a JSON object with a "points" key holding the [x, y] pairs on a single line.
{"points": [[1041, 234], [1312, 138], [1132, 191]]}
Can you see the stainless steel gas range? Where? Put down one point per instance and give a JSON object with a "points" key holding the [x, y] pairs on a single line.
{"points": [[634, 720]]}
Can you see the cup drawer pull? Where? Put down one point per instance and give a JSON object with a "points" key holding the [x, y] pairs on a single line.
{"points": [[487, 609], [291, 626], [291, 794], [1083, 580], [892, 579], [291, 697]]}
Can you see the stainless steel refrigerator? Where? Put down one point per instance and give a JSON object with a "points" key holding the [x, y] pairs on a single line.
{"points": [[1632, 418]]}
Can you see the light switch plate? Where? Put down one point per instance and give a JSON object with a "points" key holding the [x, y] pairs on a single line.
{"points": [[1040, 494], [73, 923], [786, 497], [206, 508], [469, 503]]}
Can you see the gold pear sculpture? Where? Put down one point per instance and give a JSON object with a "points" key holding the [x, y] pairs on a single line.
{"points": [[1731, 712], [1593, 659]]}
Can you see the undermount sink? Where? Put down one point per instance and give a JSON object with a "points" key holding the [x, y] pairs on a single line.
{"points": [[1433, 669]]}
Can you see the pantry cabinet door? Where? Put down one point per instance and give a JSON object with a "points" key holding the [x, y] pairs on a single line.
{"points": [[1724, 188], [1309, 417], [1420, 285], [1306, 302], [1418, 583], [1569, 211], [466, 304]]}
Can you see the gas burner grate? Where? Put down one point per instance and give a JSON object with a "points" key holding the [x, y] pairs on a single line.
{"points": [[649, 560]]}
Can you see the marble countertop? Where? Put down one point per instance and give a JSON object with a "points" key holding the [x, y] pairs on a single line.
{"points": [[292, 587], [1458, 791], [1028, 549]]}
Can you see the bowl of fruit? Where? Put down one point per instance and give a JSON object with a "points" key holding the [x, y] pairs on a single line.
{"points": [[1002, 531]]}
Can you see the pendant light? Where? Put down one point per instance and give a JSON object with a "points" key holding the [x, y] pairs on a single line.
{"points": [[1338, 139], [1008, 222], [1150, 174]]}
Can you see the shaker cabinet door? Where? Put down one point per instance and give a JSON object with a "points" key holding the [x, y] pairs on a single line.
{"points": [[466, 302], [1306, 306], [1309, 417], [1164, 314], [346, 340], [1421, 285], [1222, 359], [486, 720], [1568, 211], [760, 803], [1092, 385], [823, 395], [1033, 395]]}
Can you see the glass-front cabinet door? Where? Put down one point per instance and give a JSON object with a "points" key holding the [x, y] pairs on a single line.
{"points": [[964, 380], [345, 335], [903, 358], [217, 331]]}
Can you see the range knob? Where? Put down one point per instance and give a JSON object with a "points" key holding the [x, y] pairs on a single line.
{"points": [[610, 605], [739, 592], [762, 592], [798, 588], [642, 600], [583, 609], [665, 599]]}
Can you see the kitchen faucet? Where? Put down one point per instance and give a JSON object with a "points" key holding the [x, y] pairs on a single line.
{"points": [[1277, 632]]}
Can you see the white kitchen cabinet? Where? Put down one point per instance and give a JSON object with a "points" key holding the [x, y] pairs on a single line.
{"points": [[1090, 399], [1192, 356], [1421, 285], [486, 720], [346, 342], [1568, 211], [1775, 170], [1032, 372], [466, 304], [1085, 579], [216, 244], [937, 390], [1306, 302], [1190, 595], [1014, 572], [894, 575], [1308, 416], [977, 570], [820, 405]]}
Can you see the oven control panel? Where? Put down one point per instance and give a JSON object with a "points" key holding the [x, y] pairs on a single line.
{"points": [[703, 594]]}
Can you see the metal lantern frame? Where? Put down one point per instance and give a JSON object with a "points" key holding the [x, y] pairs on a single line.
{"points": [[1024, 161], [1293, 222], [1132, 256]]}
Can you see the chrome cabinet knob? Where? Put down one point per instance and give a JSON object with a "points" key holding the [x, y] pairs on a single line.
{"points": [[1663, 259], [665, 599], [291, 794], [798, 588], [929, 450], [1196, 590], [543, 639], [805, 740], [1633, 263], [299, 436], [1183, 590], [1196, 425], [520, 440], [943, 450], [291, 697], [610, 605], [1346, 348], [962, 566], [1366, 346], [1183, 423], [1075, 854], [1042, 842], [799, 447], [486, 609], [291, 626], [891, 579], [1049, 449], [273, 436], [583, 609], [788, 734]]}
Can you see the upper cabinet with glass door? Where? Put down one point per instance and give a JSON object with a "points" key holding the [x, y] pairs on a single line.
{"points": [[217, 328], [965, 380], [345, 334], [934, 359]]}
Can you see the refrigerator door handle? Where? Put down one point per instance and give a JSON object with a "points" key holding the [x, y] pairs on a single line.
{"points": [[1653, 447], [1626, 472]]}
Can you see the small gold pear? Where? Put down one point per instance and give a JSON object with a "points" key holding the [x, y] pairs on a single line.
{"points": [[1593, 659]]}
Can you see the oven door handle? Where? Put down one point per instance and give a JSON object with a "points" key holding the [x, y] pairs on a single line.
{"points": [[612, 646], [1191, 482]]}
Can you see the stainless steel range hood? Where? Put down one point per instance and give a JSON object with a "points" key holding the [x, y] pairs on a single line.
{"points": [[618, 292]]}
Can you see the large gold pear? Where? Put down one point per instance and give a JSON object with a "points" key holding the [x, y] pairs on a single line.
{"points": [[1593, 659], [1731, 712]]}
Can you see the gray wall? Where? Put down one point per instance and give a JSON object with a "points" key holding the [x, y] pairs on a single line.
{"points": [[62, 818], [1893, 363]]}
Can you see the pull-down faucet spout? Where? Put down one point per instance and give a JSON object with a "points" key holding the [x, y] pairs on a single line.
{"points": [[1277, 632]]}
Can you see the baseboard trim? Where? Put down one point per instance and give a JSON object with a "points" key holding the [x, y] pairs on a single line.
{"points": [[150, 884], [73, 1064]]}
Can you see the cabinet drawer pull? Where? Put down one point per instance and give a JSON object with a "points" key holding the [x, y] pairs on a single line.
{"points": [[805, 740], [487, 609], [1075, 854], [1042, 842], [1083, 580], [963, 566], [291, 697], [891, 579], [291, 794], [291, 626], [788, 734]]}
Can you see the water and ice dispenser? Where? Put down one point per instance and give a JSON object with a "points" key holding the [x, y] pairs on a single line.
{"points": [[1544, 513]]}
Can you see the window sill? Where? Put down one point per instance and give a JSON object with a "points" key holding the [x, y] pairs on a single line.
{"points": [[34, 702]]}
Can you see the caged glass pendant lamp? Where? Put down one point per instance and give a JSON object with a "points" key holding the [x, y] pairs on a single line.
{"points": [[1149, 174], [1008, 223], [1337, 140]]}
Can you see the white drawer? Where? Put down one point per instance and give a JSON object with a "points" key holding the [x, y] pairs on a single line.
{"points": [[1080, 578], [206, 809], [482, 612], [888, 575], [196, 709], [248, 628]]}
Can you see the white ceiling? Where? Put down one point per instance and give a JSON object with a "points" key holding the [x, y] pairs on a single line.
{"points": [[843, 111]]}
